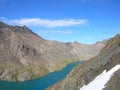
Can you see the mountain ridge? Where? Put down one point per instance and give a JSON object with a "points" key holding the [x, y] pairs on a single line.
{"points": [[24, 55], [83, 74]]}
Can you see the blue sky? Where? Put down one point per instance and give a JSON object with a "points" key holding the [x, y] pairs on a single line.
{"points": [[85, 21]]}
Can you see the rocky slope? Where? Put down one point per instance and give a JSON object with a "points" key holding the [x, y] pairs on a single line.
{"points": [[83, 74], [25, 55], [114, 83]]}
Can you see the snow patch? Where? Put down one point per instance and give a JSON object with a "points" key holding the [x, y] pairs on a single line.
{"points": [[99, 82]]}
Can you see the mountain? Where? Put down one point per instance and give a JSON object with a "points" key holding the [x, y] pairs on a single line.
{"points": [[82, 75], [24, 55]]}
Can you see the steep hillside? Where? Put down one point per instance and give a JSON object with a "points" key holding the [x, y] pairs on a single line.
{"points": [[114, 83], [83, 74], [24, 55]]}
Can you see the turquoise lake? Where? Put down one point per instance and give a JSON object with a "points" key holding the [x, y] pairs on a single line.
{"points": [[40, 83]]}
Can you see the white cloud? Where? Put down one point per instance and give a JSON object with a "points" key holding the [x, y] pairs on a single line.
{"points": [[2, 18], [47, 23], [58, 32]]}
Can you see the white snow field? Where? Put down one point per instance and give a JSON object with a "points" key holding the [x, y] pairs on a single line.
{"points": [[99, 82]]}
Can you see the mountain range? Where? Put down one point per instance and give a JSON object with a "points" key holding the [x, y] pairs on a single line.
{"points": [[82, 75], [24, 55]]}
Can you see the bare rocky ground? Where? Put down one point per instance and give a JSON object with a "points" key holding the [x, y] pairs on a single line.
{"points": [[85, 73], [24, 55]]}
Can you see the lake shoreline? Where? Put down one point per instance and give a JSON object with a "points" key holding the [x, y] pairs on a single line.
{"points": [[40, 83]]}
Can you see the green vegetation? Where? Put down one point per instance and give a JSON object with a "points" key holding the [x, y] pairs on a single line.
{"points": [[15, 76], [24, 73], [36, 71], [32, 71]]}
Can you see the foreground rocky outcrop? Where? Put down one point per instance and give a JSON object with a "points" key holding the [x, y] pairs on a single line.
{"points": [[25, 55], [83, 74]]}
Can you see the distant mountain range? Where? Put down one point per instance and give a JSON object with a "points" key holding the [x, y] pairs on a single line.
{"points": [[81, 75], [24, 55]]}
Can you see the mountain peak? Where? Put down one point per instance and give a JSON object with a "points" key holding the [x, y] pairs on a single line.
{"points": [[84, 74], [21, 29], [117, 37], [3, 25], [112, 41], [22, 48]]}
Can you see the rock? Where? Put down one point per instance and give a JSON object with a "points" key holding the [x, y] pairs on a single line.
{"points": [[25, 55], [114, 83], [85, 73]]}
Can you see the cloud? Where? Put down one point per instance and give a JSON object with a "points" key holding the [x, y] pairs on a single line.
{"points": [[57, 32], [47, 23]]}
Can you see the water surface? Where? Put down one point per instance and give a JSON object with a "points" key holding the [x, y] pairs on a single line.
{"points": [[40, 83]]}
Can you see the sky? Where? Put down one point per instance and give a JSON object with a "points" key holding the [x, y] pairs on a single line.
{"points": [[85, 21]]}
